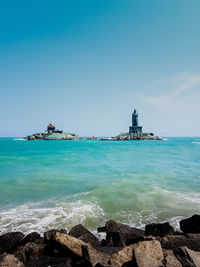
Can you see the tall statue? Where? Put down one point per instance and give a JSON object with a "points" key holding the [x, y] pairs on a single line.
{"points": [[135, 129], [135, 118]]}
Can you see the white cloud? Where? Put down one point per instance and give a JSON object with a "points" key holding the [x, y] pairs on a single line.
{"points": [[187, 81], [181, 93]]}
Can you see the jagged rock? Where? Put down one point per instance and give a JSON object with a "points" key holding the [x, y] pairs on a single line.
{"points": [[47, 261], [143, 254], [170, 260], [109, 250], [9, 260], [188, 257], [30, 251], [76, 248], [119, 234], [80, 232], [9, 241], [48, 235], [172, 242], [160, 229], [113, 226], [191, 225], [32, 237]]}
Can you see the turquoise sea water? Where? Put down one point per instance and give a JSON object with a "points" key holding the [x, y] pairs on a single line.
{"points": [[57, 184]]}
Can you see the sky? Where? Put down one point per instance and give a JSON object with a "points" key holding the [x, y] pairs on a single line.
{"points": [[86, 65]]}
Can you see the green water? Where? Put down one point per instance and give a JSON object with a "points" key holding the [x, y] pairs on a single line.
{"points": [[57, 184]]}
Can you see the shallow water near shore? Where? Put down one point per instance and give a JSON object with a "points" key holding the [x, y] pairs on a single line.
{"points": [[58, 184]]}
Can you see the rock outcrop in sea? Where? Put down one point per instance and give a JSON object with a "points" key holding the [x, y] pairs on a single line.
{"points": [[52, 134], [135, 132], [156, 246]]}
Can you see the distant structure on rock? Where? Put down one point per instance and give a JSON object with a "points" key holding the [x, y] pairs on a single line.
{"points": [[135, 132], [51, 128], [52, 134]]}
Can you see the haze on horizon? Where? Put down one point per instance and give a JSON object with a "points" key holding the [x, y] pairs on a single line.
{"points": [[86, 65]]}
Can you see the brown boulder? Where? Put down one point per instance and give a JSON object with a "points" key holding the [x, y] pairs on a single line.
{"points": [[191, 225], [143, 254], [172, 242], [48, 235], [78, 249], [32, 237], [188, 257], [30, 251], [112, 226], [119, 235], [170, 260], [80, 232], [9, 260]]}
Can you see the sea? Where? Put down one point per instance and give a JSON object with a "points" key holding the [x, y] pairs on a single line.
{"points": [[58, 184]]}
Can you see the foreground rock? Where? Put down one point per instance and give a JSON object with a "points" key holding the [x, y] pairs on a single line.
{"points": [[124, 246], [80, 232], [160, 229], [120, 234], [188, 257], [146, 253], [32, 237], [191, 225], [78, 249], [9, 260], [170, 259], [173, 242], [9, 241]]}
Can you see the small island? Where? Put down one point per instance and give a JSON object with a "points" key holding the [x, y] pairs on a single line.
{"points": [[135, 132], [52, 134]]}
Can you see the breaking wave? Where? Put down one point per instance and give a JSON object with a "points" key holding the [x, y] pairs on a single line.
{"points": [[35, 218]]}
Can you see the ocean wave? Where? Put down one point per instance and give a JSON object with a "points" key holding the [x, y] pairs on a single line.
{"points": [[196, 142], [20, 139], [139, 221], [157, 205], [32, 217]]}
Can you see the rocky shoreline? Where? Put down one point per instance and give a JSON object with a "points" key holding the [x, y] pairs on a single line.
{"points": [[158, 245]]}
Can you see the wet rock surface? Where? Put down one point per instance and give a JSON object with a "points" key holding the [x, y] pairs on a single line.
{"points": [[32, 237], [9, 241], [191, 225], [80, 232], [160, 229], [124, 246], [120, 235]]}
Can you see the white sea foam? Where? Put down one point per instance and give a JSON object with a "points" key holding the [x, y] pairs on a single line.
{"points": [[189, 197], [32, 217], [161, 205], [20, 139], [196, 143], [153, 218]]}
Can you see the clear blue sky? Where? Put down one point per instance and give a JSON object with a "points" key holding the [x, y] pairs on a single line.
{"points": [[85, 65]]}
